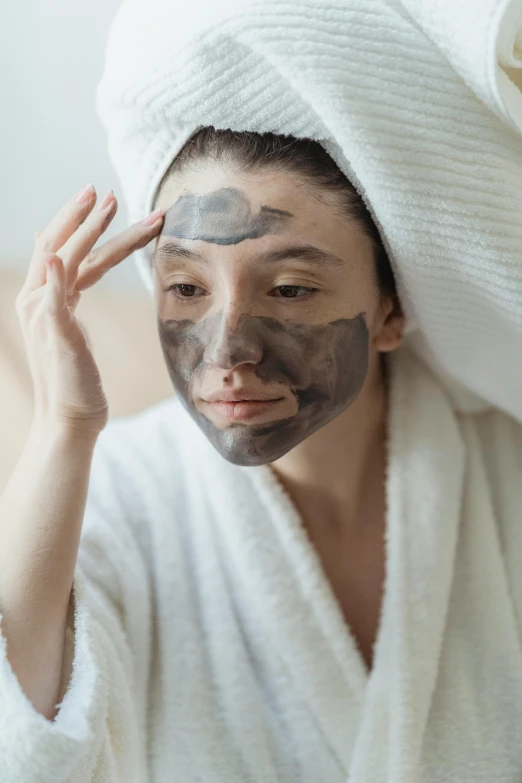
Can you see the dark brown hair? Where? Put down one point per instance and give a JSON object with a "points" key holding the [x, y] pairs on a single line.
{"points": [[307, 158]]}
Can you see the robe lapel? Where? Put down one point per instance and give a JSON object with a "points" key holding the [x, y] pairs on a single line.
{"points": [[425, 485], [291, 600], [270, 619], [373, 725]]}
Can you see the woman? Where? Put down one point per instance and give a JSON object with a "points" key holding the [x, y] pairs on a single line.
{"points": [[302, 567], [291, 301]]}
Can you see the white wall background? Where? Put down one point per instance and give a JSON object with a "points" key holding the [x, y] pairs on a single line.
{"points": [[51, 142]]}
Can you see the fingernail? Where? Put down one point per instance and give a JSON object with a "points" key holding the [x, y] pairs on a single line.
{"points": [[150, 219], [85, 194], [106, 200]]}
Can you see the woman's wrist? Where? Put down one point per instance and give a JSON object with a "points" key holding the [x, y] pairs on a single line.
{"points": [[69, 431]]}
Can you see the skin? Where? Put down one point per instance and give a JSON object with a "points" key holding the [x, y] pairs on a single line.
{"points": [[230, 320]]}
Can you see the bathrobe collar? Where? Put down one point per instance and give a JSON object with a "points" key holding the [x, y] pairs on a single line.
{"points": [[269, 555]]}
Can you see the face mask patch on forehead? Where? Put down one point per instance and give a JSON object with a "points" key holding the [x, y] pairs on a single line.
{"points": [[223, 217]]}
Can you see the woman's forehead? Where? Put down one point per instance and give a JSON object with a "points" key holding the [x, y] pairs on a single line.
{"points": [[274, 189], [220, 206]]}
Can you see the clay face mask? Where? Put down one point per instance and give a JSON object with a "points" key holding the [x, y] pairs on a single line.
{"points": [[223, 217], [321, 366]]}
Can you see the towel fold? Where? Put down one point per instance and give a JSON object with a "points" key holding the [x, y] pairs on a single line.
{"points": [[414, 101]]}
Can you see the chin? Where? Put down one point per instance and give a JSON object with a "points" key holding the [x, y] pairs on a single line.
{"points": [[247, 460], [247, 449]]}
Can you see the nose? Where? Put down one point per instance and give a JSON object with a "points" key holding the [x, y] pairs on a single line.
{"points": [[234, 340]]}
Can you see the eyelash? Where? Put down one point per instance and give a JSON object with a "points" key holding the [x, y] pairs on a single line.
{"points": [[310, 291]]}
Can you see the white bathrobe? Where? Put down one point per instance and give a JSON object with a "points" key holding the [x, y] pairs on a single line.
{"points": [[209, 647]]}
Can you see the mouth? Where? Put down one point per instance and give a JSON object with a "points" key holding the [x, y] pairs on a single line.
{"points": [[239, 395], [243, 410]]}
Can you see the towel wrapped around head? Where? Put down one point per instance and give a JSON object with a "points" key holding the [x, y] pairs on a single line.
{"points": [[417, 102]]}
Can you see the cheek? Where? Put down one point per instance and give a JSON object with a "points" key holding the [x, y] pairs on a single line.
{"points": [[326, 353], [182, 350], [287, 353], [349, 352], [336, 362]]}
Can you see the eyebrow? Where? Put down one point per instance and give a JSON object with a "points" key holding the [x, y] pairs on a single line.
{"points": [[172, 250]]}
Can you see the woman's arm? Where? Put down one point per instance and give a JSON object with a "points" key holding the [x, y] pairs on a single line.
{"points": [[41, 512], [98, 730]]}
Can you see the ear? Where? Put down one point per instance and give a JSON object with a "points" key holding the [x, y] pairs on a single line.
{"points": [[392, 319]]}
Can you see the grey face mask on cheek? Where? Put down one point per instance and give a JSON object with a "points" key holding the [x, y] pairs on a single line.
{"points": [[324, 365]]}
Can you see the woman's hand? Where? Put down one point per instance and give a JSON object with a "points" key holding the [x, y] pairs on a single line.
{"points": [[67, 385]]}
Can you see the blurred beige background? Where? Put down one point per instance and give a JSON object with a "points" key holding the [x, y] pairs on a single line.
{"points": [[51, 144]]}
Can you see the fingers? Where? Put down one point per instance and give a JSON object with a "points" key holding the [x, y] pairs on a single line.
{"points": [[115, 250], [61, 227], [82, 266], [54, 294], [79, 245], [55, 299]]}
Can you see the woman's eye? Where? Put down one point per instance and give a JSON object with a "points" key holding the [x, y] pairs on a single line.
{"points": [[184, 290], [291, 291]]}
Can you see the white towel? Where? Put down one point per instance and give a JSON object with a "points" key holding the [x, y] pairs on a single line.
{"points": [[210, 646], [412, 98]]}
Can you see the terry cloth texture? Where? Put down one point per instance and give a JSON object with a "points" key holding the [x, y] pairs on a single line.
{"points": [[207, 644], [415, 100]]}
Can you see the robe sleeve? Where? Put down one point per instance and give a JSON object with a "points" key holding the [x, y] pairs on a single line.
{"points": [[97, 734]]}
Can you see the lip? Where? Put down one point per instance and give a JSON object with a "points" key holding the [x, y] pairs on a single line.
{"points": [[242, 410], [239, 395]]}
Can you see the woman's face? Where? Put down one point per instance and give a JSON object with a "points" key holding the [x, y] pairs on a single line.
{"points": [[263, 292]]}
